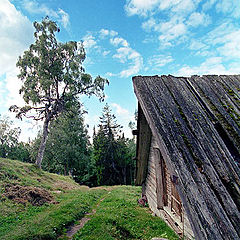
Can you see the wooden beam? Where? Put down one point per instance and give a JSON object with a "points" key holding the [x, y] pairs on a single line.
{"points": [[143, 147], [161, 188]]}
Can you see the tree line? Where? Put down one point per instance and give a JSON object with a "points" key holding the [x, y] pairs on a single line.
{"points": [[107, 159]]}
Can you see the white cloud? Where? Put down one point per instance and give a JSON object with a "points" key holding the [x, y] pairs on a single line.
{"points": [[212, 65], [29, 127], [216, 36], [196, 19], [122, 54], [134, 67], [208, 4], [156, 62], [140, 7], [167, 4], [231, 7], [149, 24], [64, 18], [133, 58], [228, 7], [170, 19], [125, 54], [130, 57], [118, 49], [222, 41], [150, 7], [183, 7], [119, 110], [119, 41], [231, 45], [105, 32], [109, 74], [16, 34], [89, 41], [40, 8], [197, 45], [234, 68], [171, 30], [105, 53], [13, 84], [36, 8]]}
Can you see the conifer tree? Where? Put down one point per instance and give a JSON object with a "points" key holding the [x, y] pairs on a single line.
{"points": [[111, 151]]}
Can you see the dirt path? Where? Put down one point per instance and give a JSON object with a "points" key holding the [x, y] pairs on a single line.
{"points": [[76, 227]]}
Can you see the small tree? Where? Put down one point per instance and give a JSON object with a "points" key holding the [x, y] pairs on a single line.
{"points": [[53, 77], [8, 136]]}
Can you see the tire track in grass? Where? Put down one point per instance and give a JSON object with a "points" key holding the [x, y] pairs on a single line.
{"points": [[72, 230]]}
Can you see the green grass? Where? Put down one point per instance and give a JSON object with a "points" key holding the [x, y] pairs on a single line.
{"points": [[120, 217], [13, 171], [50, 220]]}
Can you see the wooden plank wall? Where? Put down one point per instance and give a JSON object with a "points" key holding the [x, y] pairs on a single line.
{"points": [[172, 217], [185, 114], [143, 148], [151, 184], [151, 178]]}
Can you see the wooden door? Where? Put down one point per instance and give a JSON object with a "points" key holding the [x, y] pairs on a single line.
{"points": [[161, 186]]}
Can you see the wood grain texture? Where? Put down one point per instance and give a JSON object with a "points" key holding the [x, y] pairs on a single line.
{"points": [[196, 123], [143, 147]]}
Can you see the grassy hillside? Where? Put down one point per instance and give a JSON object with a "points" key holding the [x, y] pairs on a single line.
{"points": [[38, 205], [24, 221]]}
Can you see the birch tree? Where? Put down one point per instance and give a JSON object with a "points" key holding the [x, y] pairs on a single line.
{"points": [[53, 77]]}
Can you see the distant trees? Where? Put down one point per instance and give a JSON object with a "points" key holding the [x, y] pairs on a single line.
{"points": [[112, 152], [53, 77], [10, 147], [109, 160]]}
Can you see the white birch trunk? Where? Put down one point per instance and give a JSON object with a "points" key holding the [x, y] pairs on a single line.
{"points": [[43, 144]]}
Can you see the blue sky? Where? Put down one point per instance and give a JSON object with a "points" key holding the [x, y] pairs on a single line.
{"points": [[123, 39]]}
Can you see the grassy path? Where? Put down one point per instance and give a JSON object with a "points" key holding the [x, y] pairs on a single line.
{"points": [[48, 221], [118, 216], [80, 224]]}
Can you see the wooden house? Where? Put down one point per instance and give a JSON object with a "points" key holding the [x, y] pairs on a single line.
{"points": [[188, 152]]}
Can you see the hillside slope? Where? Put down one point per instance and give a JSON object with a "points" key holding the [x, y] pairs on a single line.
{"points": [[39, 205]]}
